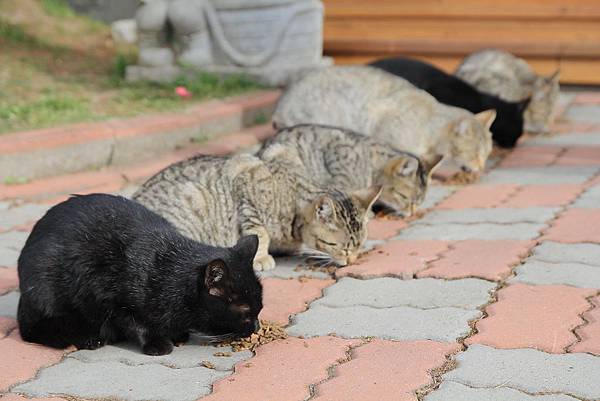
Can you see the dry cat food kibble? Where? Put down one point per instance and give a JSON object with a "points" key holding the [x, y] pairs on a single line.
{"points": [[269, 331]]}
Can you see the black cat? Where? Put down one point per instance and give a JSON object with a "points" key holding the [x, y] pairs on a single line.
{"points": [[451, 90], [97, 269]]}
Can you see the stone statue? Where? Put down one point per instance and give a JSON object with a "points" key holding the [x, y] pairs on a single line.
{"points": [[268, 39]]}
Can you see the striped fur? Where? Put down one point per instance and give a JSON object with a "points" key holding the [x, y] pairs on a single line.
{"points": [[216, 200]]}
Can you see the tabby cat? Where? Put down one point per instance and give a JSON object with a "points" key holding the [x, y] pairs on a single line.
{"points": [[99, 269], [349, 161], [217, 200], [511, 78], [381, 105], [451, 90]]}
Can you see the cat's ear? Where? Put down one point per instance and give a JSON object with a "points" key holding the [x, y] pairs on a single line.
{"points": [[215, 277], [554, 78], [403, 166], [247, 246], [429, 165], [486, 118], [324, 209], [368, 196]]}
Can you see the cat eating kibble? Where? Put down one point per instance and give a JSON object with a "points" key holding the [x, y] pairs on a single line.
{"points": [[99, 269]]}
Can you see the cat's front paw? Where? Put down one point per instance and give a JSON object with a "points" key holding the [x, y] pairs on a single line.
{"points": [[263, 263], [158, 346]]}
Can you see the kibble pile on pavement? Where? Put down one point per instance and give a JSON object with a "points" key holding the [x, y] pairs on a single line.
{"points": [[492, 295]]}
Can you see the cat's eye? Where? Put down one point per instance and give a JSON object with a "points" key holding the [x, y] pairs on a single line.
{"points": [[326, 243]]}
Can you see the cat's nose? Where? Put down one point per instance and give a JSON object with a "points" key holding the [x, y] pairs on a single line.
{"points": [[351, 259]]}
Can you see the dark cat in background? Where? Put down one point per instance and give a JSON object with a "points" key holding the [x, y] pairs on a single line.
{"points": [[451, 90], [98, 269]]}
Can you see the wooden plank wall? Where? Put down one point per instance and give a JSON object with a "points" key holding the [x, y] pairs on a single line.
{"points": [[550, 34]]}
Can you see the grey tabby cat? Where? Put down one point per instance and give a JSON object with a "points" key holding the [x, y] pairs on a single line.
{"points": [[335, 157], [500, 73], [381, 105], [217, 200]]}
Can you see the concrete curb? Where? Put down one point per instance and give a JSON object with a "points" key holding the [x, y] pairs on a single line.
{"points": [[61, 150]]}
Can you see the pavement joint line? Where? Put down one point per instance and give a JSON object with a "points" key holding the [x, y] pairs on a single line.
{"points": [[349, 353], [553, 262], [510, 196], [437, 373], [65, 353], [584, 322], [539, 393]]}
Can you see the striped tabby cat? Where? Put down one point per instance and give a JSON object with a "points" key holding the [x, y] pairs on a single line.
{"points": [[500, 73], [217, 200], [349, 161], [386, 107]]}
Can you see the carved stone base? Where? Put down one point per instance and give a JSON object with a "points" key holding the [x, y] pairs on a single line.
{"points": [[278, 75]]}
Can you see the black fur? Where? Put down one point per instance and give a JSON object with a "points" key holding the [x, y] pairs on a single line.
{"points": [[99, 268], [451, 90]]}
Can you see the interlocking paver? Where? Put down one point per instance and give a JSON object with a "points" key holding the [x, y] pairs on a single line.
{"points": [[282, 298], [461, 232], [374, 373], [17, 397], [540, 175], [486, 215], [455, 391], [589, 333], [580, 156], [575, 225], [587, 113], [478, 196], [11, 243], [557, 252], [119, 381], [545, 273], [8, 280], [540, 317], [427, 293], [543, 196], [394, 309], [395, 258], [282, 370], [20, 361], [8, 304], [489, 260], [531, 156], [21, 215], [435, 194], [188, 355], [589, 199], [578, 138], [7, 324], [528, 370], [381, 229], [292, 267]]}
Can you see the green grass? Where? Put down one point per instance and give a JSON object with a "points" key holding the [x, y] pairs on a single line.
{"points": [[15, 34], [260, 119], [57, 8], [10, 180]]}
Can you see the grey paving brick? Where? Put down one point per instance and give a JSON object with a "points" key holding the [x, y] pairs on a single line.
{"points": [[542, 273], [557, 252], [528, 370], [425, 293], [495, 215], [11, 243], [565, 98], [581, 138], [9, 303], [20, 215], [589, 199], [450, 391], [188, 355], [395, 323], [4, 205], [540, 175], [119, 381], [435, 194], [484, 231], [292, 267], [585, 113]]}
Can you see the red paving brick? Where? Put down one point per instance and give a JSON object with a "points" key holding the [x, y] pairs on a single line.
{"points": [[540, 317], [9, 280], [20, 361], [282, 370], [478, 196], [543, 195], [7, 325], [382, 229], [489, 260], [580, 156], [565, 127], [531, 156], [401, 258], [587, 98], [283, 297], [589, 333], [575, 225], [378, 371], [17, 397]]}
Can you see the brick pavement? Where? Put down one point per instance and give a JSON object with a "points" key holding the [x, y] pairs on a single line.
{"points": [[494, 294]]}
